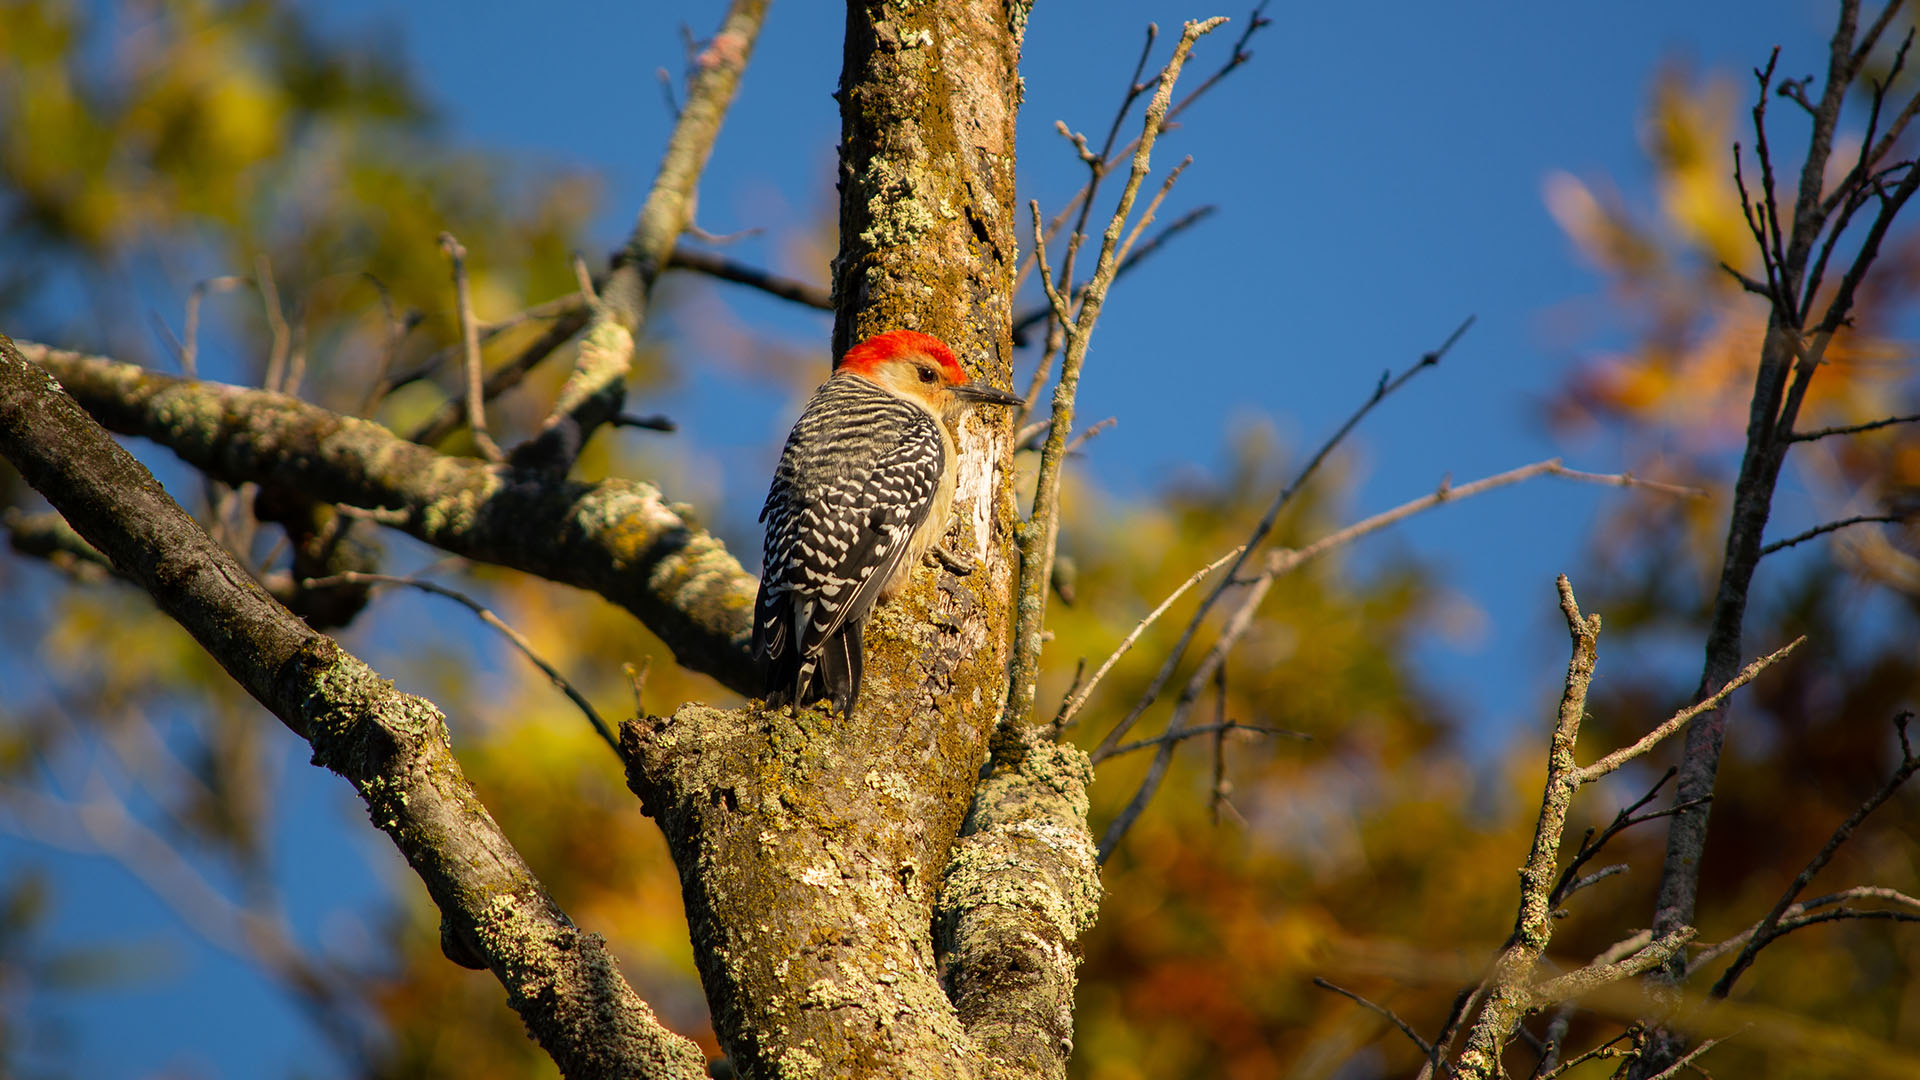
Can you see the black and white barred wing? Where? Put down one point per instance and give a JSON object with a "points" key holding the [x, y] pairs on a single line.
{"points": [[857, 477]]}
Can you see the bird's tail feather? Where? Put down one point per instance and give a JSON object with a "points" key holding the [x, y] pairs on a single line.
{"points": [[839, 672], [832, 674]]}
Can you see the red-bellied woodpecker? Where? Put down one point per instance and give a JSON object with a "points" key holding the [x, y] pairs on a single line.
{"points": [[861, 495]]}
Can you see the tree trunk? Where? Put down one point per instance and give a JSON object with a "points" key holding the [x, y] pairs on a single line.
{"points": [[811, 847]]}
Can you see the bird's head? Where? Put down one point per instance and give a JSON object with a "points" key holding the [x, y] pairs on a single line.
{"points": [[920, 366]]}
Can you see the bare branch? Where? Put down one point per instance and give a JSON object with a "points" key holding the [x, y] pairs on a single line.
{"points": [[622, 539], [655, 422], [1381, 392], [470, 347], [1685, 1060], [1285, 561], [1072, 705], [393, 747], [719, 266], [1081, 439], [1577, 984], [596, 391], [1822, 530], [451, 415], [1795, 914], [1219, 728], [486, 616], [277, 321], [1426, 1048], [1508, 992], [1040, 535], [1852, 429], [1679, 720], [1788, 361], [1026, 322], [1769, 928]]}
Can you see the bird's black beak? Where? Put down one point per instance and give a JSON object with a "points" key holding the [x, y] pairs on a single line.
{"points": [[979, 393]]}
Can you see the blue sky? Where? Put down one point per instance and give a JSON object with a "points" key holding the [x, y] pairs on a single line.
{"points": [[1378, 170]]}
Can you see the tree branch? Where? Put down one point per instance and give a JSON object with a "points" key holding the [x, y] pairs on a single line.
{"points": [[518, 639], [1040, 536], [596, 391], [1822, 530], [1381, 392], [1426, 1048], [1769, 927], [1508, 989], [392, 746], [621, 539]]}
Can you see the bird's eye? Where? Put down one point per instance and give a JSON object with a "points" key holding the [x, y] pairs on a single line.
{"points": [[926, 373]]}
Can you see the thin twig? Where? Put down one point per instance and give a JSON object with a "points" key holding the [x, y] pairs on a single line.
{"points": [[1040, 535], [1025, 322], [190, 337], [1673, 1070], [1679, 720], [1852, 429], [1284, 561], [1792, 918], [1821, 530], [656, 422], [488, 617], [1768, 928], [1604, 1050], [397, 329], [448, 418], [1221, 787], [1071, 707], [1081, 439], [470, 346], [276, 321], [637, 679], [719, 266], [1220, 728], [1265, 526], [1426, 1048]]}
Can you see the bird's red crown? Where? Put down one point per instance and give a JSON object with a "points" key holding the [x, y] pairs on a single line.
{"points": [[863, 358]]}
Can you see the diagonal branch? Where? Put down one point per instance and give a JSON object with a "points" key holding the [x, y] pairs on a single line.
{"points": [[1831, 526], [518, 640], [1770, 927], [1381, 392], [596, 391], [621, 539], [1284, 561], [393, 747]]}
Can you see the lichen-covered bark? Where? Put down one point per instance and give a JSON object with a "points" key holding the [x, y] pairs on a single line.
{"points": [[1022, 886], [803, 844], [811, 846], [621, 539], [393, 747], [929, 95]]}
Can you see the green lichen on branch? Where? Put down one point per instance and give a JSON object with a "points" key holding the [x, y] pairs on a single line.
{"points": [[801, 841], [392, 747], [1022, 886], [619, 538]]}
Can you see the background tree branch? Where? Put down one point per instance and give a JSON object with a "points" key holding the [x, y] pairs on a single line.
{"points": [[392, 747]]}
